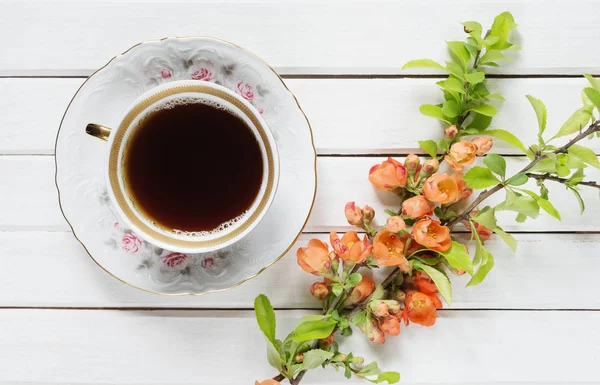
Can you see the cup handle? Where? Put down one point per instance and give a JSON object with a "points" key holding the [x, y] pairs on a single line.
{"points": [[98, 131]]}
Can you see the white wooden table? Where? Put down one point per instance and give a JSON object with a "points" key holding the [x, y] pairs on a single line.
{"points": [[535, 320]]}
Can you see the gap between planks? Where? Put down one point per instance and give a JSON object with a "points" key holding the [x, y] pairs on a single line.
{"points": [[217, 309]]}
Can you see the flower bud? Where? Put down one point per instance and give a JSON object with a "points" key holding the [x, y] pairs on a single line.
{"points": [[399, 295], [369, 214], [340, 357], [374, 333], [411, 163], [460, 272], [319, 290], [483, 144], [429, 167], [393, 306], [325, 342], [299, 357], [390, 326], [451, 131], [379, 308], [395, 224], [354, 215], [357, 360]]}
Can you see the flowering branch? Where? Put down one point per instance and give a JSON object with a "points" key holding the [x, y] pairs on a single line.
{"points": [[416, 240]]}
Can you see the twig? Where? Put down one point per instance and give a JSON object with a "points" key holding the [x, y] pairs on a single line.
{"points": [[560, 180], [315, 344], [594, 127], [280, 377]]}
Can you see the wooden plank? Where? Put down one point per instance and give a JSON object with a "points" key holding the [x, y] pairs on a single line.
{"points": [[30, 200], [348, 116], [535, 277], [296, 37], [141, 347]]}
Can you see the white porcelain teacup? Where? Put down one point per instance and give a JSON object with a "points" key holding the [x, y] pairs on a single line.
{"points": [[118, 140]]}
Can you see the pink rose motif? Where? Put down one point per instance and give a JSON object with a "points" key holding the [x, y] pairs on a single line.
{"points": [[131, 243], [117, 225], [208, 263], [174, 259], [203, 74], [245, 91], [166, 73], [260, 110]]}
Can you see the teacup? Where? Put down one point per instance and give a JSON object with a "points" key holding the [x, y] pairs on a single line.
{"points": [[119, 138]]}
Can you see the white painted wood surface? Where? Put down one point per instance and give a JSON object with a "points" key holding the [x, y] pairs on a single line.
{"points": [[501, 332]]}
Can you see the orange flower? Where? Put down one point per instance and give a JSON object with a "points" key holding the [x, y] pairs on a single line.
{"points": [[389, 175], [421, 308], [314, 259], [350, 247], [432, 235], [440, 188], [390, 325], [464, 191], [483, 144], [354, 214], [361, 291], [372, 330], [324, 342], [417, 207], [267, 382], [424, 283], [388, 250], [461, 154], [395, 224]]}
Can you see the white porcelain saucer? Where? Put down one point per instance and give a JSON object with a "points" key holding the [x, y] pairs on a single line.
{"points": [[80, 179]]}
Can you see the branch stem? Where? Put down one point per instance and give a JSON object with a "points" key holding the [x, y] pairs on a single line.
{"points": [[561, 180]]}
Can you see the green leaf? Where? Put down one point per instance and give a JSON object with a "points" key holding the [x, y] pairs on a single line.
{"points": [[378, 293], [443, 145], [521, 218], [353, 279], [441, 281], [455, 69], [576, 122], [423, 63], [391, 213], [473, 28], [576, 178], [265, 316], [485, 109], [371, 369], [480, 177], [594, 96], [429, 146], [315, 358], [450, 109], [311, 317], [579, 198], [518, 179], [593, 81], [337, 289], [273, 356], [487, 263], [540, 111], [545, 165], [452, 84], [390, 377], [510, 196], [486, 217], [496, 95], [460, 52], [544, 204], [584, 154], [458, 257], [313, 330], [475, 77], [523, 205], [490, 41], [479, 92], [434, 112], [507, 238], [496, 163], [480, 122], [492, 55], [507, 137], [359, 319], [503, 24]]}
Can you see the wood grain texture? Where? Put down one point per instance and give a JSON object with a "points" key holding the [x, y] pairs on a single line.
{"points": [[30, 198], [348, 116], [51, 269], [296, 36], [206, 348]]}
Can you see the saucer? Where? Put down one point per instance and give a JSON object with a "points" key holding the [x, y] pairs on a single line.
{"points": [[83, 197]]}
